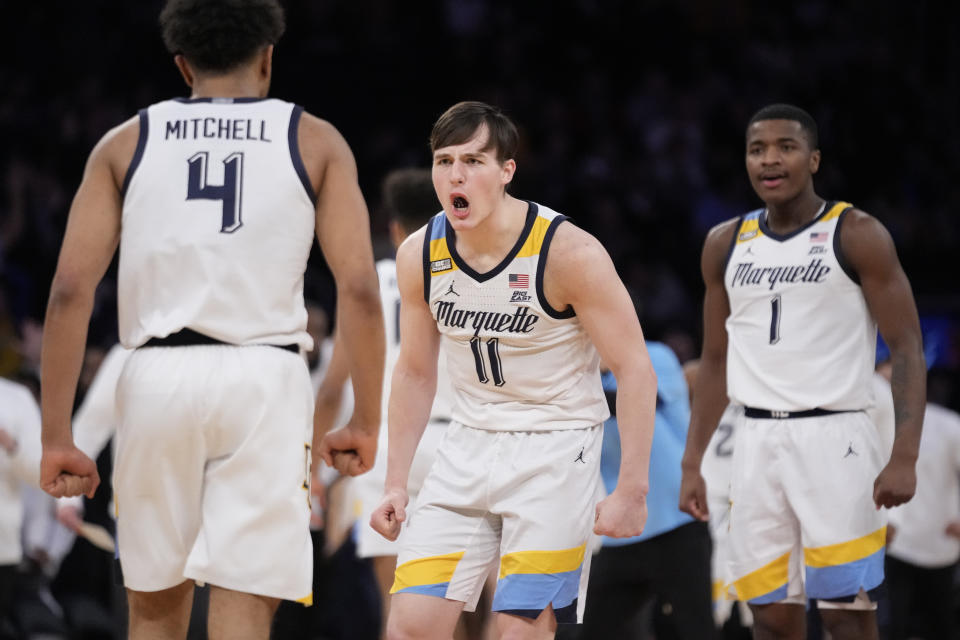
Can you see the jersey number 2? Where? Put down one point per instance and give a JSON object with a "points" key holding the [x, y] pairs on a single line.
{"points": [[493, 350], [228, 193]]}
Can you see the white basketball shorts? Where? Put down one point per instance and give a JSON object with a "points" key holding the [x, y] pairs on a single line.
{"points": [[522, 500], [212, 474], [367, 489], [802, 521]]}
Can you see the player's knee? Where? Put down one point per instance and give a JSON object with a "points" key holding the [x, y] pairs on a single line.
{"points": [[778, 621]]}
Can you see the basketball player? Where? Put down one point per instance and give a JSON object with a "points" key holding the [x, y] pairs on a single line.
{"points": [[794, 295], [214, 201], [411, 201], [520, 302]]}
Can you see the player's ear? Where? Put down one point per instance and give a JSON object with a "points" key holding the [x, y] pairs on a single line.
{"points": [[507, 169], [184, 68], [266, 62], [815, 161]]}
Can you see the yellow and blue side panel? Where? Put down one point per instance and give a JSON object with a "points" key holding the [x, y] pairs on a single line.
{"points": [[530, 581], [428, 576], [749, 227], [767, 584], [835, 210], [843, 569]]}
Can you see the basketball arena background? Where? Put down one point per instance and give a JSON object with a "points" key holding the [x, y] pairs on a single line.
{"points": [[632, 115]]}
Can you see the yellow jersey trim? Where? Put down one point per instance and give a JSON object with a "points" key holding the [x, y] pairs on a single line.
{"points": [[542, 562], [845, 552]]}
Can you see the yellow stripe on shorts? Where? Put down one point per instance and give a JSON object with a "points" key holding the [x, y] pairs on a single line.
{"points": [[424, 571], [542, 562], [764, 580], [844, 552]]}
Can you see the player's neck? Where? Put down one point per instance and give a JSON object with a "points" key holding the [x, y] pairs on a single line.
{"points": [[229, 86], [784, 217], [497, 234]]}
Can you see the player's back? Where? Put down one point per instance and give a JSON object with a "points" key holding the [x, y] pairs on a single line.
{"points": [[218, 220]]}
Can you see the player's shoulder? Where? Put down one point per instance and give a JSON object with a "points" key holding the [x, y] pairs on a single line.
{"points": [[721, 234], [316, 130], [571, 245]]}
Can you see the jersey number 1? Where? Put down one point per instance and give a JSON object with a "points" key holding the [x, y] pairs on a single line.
{"points": [[493, 350], [775, 319], [228, 193]]}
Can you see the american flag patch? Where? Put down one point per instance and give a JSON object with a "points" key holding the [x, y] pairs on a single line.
{"points": [[519, 281], [818, 236]]}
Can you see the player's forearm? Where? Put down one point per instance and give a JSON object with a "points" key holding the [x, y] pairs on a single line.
{"points": [[709, 401], [64, 337], [361, 329], [636, 410], [411, 398], [908, 382]]}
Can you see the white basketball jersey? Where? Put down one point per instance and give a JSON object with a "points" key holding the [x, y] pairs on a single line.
{"points": [[799, 333], [218, 222], [390, 300], [515, 363]]}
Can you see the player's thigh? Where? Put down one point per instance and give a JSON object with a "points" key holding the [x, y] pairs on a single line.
{"points": [[161, 452], [416, 616], [547, 489], [256, 480], [835, 463], [763, 541]]}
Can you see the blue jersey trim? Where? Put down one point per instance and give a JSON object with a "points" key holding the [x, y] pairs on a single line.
{"points": [[569, 312], [295, 153], [219, 100], [138, 152], [483, 277]]}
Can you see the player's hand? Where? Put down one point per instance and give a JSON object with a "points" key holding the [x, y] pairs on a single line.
{"points": [[350, 449], [387, 518], [952, 529], [896, 484], [693, 495], [66, 471], [621, 515]]}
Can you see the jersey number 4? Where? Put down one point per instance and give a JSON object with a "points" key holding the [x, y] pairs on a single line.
{"points": [[229, 193]]}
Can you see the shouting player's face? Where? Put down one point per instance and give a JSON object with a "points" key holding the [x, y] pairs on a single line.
{"points": [[780, 162], [470, 181]]}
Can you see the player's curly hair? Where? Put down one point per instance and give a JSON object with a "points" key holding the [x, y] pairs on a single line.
{"points": [[217, 36], [458, 124]]}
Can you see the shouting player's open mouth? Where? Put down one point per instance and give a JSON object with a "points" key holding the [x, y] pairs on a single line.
{"points": [[460, 206]]}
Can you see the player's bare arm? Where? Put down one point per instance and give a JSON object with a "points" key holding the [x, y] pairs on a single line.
{"points": [[342, 223], [710, 392], [91, 238], [870, 252], [412, 387], [580, 273]]}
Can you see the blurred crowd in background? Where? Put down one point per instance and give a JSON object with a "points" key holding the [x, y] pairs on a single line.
{"points": [[632, 116]]}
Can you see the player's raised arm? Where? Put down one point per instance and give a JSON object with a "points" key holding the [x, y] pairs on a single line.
{"points": [[871, 254], [343, 229], [710, 391], [91, 238], [412, 386], [580, 273]]}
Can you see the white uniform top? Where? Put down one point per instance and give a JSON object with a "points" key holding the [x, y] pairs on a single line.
{"points": [[920, 523], [799, 332], [390, 300], [20, 418], [218, 222], [515, 363]]}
